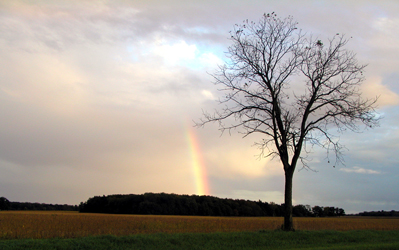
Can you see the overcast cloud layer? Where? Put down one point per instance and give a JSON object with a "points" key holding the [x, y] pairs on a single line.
{"points": [[96, 97]]}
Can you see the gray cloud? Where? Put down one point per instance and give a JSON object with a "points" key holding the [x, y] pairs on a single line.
{"points": [[359, 170]]}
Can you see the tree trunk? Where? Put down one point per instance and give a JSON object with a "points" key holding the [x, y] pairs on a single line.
{"points": [[288, 223]]}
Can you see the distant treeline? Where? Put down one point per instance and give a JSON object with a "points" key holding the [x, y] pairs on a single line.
{"points": [[380, 213], [5, 204], [173, 204]]}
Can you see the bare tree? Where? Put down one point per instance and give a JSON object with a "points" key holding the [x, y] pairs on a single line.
{"points": [[263, 60]]}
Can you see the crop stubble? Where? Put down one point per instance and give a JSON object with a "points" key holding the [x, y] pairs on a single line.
{"points": [[55, 224]]}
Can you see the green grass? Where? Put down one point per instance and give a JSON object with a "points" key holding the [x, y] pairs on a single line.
{"points": [[366, 239]]}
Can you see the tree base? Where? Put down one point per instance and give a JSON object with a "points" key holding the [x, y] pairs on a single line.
{"points": [[290, 229]]}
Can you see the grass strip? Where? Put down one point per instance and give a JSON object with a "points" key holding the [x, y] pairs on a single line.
{"points": [[365, 239]]}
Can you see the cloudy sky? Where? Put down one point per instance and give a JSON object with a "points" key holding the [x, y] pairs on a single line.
{"points": [[99, 97]]}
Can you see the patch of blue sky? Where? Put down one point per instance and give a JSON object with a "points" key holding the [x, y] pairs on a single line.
{"points": [[133, 53], [185, 54], [177, 53]]}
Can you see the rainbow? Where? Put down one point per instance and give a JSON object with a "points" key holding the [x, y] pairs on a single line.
{"points": [[198, 165]]}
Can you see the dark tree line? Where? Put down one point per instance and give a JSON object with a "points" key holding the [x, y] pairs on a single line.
{"points": [[173, 204], [391, 213], [5, 204]]}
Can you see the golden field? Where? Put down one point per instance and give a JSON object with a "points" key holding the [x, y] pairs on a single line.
{"points": [[56, 224]]}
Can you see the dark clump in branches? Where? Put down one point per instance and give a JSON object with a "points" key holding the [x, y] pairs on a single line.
{"points": [[293, 91]]}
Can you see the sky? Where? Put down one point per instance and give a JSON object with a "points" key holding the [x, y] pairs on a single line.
{"points": [[100, 97]]}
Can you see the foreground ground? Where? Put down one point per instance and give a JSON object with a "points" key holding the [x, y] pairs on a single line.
{"points": [[72, 230], [39, 225], [365, 239]]}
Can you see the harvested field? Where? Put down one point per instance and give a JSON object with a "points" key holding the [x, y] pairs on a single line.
{"points": [[54, 224]]}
